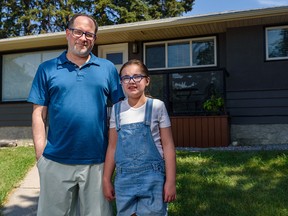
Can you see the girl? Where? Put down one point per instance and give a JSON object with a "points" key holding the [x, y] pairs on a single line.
{"points": [[142, 149]]}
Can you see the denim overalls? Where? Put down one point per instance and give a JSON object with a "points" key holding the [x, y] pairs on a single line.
{"points": [[140, 169]]}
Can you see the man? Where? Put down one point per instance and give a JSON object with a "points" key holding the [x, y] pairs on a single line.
{"points": [[73, 90]]}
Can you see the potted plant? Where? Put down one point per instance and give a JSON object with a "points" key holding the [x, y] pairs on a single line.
{"points": [[214, 105]]}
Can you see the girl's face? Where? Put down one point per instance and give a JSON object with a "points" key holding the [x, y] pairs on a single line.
{"points": [[134, 81]]}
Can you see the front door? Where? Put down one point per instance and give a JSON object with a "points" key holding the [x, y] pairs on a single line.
{"points": [[116, 53]]}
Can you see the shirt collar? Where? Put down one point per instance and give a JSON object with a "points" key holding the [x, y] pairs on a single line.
{"points": [[62, 59]]}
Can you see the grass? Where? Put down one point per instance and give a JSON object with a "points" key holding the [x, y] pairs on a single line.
{"points": [[14, 164], [210, 183], [231, 183]]}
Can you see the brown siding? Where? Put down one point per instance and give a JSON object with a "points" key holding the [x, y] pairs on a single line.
{"points": [[200, 131]]}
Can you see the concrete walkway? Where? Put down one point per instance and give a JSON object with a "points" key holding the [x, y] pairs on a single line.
{"points": [[23, 200]]}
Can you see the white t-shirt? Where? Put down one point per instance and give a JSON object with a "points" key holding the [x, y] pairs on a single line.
{"points": [[160, 118]]}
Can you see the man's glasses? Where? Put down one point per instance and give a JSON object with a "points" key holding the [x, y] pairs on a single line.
{"points": [[136, 78], [78, 33]]}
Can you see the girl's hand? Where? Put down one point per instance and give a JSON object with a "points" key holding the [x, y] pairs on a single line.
{"points": [[108, 191], [169, 192]]}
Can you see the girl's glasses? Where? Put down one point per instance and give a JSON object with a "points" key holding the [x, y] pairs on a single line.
{"points": [[136, 78]]}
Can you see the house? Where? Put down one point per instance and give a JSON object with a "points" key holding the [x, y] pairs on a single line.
{"points": [[242, 55]]}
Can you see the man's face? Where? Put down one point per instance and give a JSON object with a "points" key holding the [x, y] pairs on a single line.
{"points": [[81, 37]]}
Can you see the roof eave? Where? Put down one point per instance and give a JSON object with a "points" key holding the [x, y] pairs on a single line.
{"points": [[194, 20], [58, 38]]}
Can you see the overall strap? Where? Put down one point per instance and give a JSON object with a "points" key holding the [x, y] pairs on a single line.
{"points": [[148, 111], [117, 115]]}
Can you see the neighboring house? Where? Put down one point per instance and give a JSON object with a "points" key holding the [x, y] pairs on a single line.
{"points": [[243, 54]]}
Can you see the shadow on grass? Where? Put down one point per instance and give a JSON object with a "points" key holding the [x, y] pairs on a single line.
{"points": [[231, 183]]}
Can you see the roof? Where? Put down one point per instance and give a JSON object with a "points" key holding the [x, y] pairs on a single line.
{"points": [[161, 29]]}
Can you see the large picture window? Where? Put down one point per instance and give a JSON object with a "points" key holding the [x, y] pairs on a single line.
{"points": [[185, 92], [277, 43], [197, 52], [18, 71]]}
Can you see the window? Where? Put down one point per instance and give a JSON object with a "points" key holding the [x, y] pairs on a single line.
{"points": [[203, 52], [200, 52], [155, 56], [158, 86], [116, 58], [188, 91], [18, 71], [185, 92], [178, 53], [277, 43]]}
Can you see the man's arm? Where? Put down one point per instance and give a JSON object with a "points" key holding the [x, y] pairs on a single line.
{"points": [[39, 118]]}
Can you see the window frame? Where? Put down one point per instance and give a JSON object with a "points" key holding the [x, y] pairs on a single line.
{"points": [[267, 58], [190, 40], [42, 53]]}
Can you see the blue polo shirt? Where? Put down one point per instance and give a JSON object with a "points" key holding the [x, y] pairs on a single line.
{"points": [[76, 98]]}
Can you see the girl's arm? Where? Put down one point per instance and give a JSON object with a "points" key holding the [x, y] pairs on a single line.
{"points": [[170, 164], [109, 166]]}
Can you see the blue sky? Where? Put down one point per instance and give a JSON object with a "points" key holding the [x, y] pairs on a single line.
{"points": [[211, 6]]}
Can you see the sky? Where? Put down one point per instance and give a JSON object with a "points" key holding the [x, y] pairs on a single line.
{"points": [[213, 6]]}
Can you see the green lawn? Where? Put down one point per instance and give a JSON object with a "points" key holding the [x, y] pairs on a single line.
{"points": [[14, 164], [210, 183], [231, 183]]}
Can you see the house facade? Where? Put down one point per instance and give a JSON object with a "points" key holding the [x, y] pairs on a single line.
{"points": [[242, 56]]}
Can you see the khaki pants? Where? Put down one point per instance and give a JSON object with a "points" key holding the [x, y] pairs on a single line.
{"points": [[64, 187]]}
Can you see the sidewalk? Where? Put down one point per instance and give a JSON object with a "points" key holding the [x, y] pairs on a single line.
{"points": [[23, 200]]}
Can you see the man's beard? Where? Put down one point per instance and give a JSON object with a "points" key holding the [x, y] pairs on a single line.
{"points": [[83, 52]]}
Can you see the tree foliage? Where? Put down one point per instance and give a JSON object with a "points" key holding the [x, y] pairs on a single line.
{"points": [[29, 17]]}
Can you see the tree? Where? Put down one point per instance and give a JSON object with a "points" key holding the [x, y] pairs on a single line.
{"points": [[1, 20], [26, 17]]}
